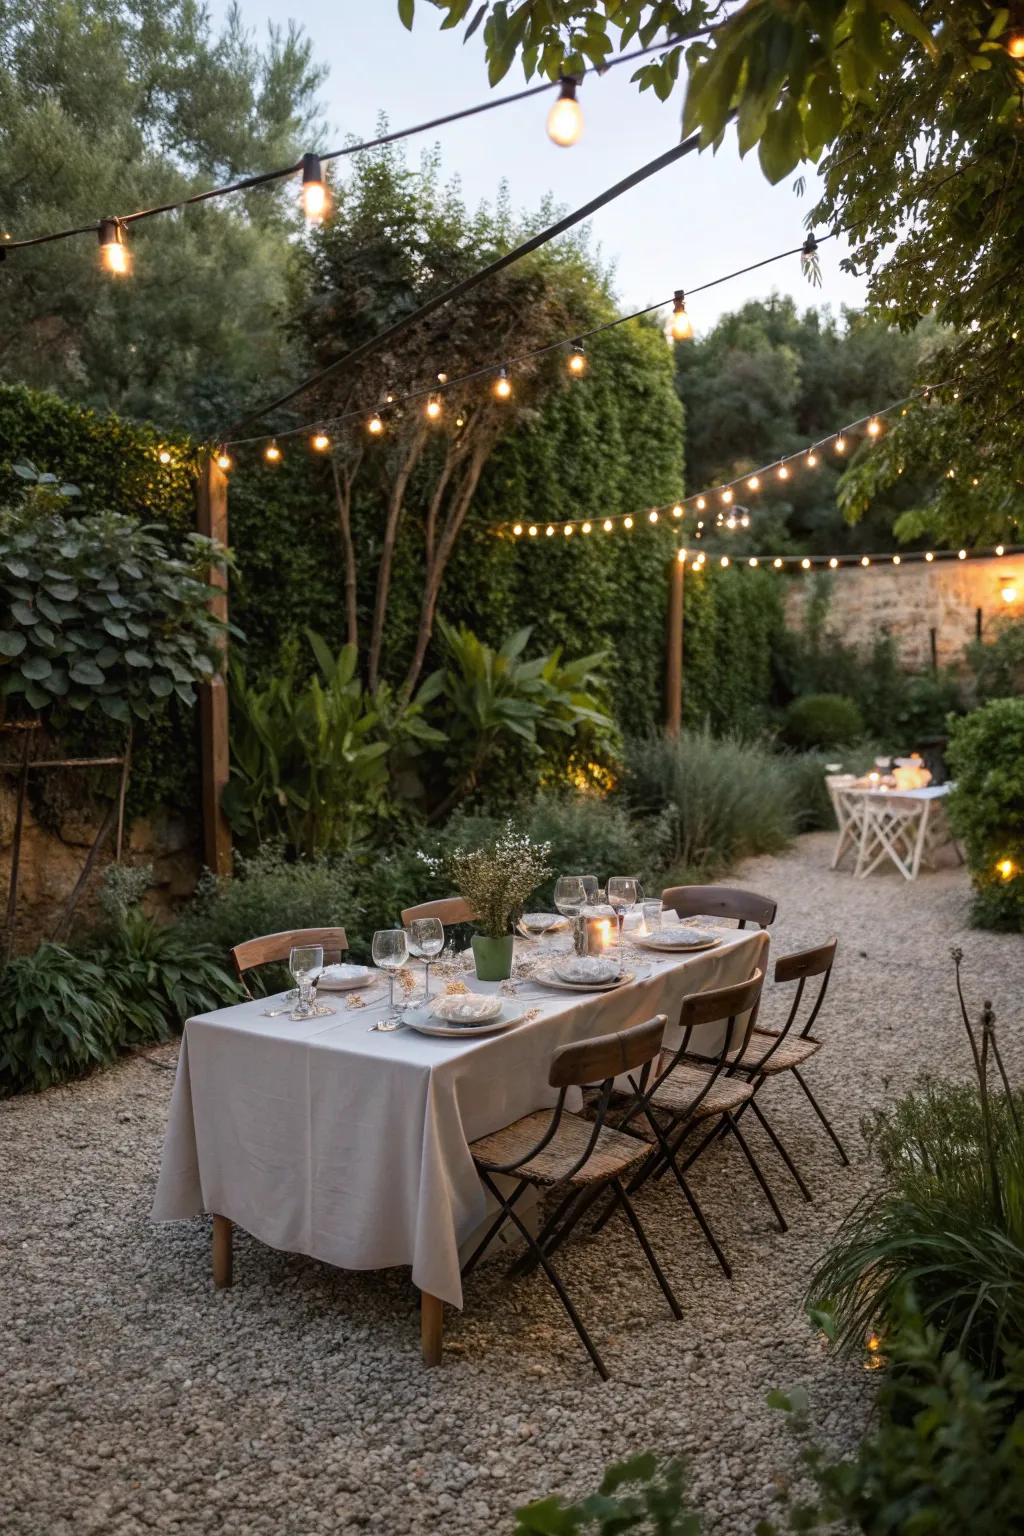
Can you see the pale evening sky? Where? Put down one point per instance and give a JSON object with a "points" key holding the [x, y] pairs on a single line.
{"points": [[707, 215]]}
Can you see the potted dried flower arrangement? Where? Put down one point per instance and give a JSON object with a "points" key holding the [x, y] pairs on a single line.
{"points": [[495, 881]]}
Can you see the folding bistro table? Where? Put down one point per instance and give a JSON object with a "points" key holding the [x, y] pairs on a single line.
{"points": [[905, 826]]}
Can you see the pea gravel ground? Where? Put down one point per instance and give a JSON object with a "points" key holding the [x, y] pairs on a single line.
{"points": [[135, 1398]]}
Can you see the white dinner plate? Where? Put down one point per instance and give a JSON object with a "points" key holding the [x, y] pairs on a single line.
{"points": [[423, 1020], [668, 944], [346, 978], [549, 979]]}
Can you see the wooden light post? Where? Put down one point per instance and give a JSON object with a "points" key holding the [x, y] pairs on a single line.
{"points": [[212, 521], [674, 647]]}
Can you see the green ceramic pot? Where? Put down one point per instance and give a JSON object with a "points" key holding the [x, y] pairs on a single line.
{"points": [[493, 957]]}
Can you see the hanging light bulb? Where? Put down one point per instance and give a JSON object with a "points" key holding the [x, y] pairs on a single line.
{"points": [[864, 560], [567, 530], [577, 361], [549, 530], [874, 427], [320, 441], [433, 408], [840, 444], [114, 252], [724, 561], [1000, 549], [701, 503], [272, 452], [627, 522], [805, 563], [375, 425], [586, 527], [745, 520], [607, 525], [680, 326], [225, 461], [164, 456], [565, 120], [677, 510], [961, 554], [812, 460], [783, 471], [534, 530], [833, 563], [517, 530], [502, 388], [314, 192], [753, 561], [896, 560], [727, 497], [460, 421], [652, 517], [753, 483], [929, 557], [777, 563]]}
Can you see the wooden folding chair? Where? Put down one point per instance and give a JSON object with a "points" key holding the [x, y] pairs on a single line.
{"points": [[274, 948], [574, 1157], [720, 901], [450, 910]]}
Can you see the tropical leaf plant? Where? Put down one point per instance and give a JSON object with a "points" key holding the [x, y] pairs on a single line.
{"points": [[58, 1017]]}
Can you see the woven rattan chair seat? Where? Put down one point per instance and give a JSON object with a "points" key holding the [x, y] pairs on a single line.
{"points": [[682, 1085], [793, 1051], [613, 1153]]}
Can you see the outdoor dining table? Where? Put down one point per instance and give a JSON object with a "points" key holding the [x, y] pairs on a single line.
{"points": [[904, 826], [323, 1137]]}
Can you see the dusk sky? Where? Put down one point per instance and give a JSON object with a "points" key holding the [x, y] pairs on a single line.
{"points": [[703, 217]]}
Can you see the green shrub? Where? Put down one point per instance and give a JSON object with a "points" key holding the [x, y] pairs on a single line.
{"points": [[161, 977], [998, 662], [713, 801], [986, 808], [58, 1017], [823, 720], [641, 1495], [943, 1455], [806, 773], [590, 834]]}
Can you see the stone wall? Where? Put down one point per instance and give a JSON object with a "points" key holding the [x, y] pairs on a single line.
{"points": [[911, 602]]}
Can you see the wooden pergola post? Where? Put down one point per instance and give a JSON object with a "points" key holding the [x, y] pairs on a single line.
{"points": [[212, 520], [674, 648]]}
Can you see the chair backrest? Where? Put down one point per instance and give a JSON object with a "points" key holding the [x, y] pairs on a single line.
{"points": [[274, 948], [802, 966], [606, 1056], [450, 909], [721, 1003], [720, 901]]}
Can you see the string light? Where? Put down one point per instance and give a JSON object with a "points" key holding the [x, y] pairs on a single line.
{"points": [[701, 503], [753, 561], [608, 525], [777, 563], [840, 444], [314, 192], [677, 510], [517, 530], [164, 456], [375, 425], [502, 388], [272, 452], [812, 459], [567, 530], [727, 496], [577, 361], [549, 530], [865, 560], [783, 471], [627, 522], [680, 326], [805, 563], [1000, 549], [533, 530], [724, 562], [320, 441], [833, 562], [565, 120], [433, 408], [587, 527], [874, 427], [753, 483], [896, 560], [652, 517], [929, 557], [114, 253], [225, 461], [961, 554]]}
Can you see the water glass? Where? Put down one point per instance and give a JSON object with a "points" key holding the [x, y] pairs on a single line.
{"points": [[652, 911], [306, 961], [622, 893], [570, 899], [390, 952], [590, 888], [425, 936]]}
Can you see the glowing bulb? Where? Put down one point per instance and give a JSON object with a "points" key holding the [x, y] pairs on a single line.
{"points": [[677, 510], [833, 562], [724, 561], [627, 522], [517, 530], [587, 527], [549, 531], [164, 456], [805, 563], [607, 525], [730, 522], [753, 483], [533, 530], [752, 560], [1015, 46], [874, 427], [272, 452], [114, 253], [701, 503], [577, 361], [929, 557], [567, 530], [700, 524], [783, 471], [502, 386], [896, 560], [652, 517], [777, 563], [460, 421], [727, 496], [681, 326], [864, 560], [961, 554], [375, 425], [225, 462], [812, 459], [565, 120], [745, 520], [314, 192], [320, 441], [1008, 591], [433, 408], [840, 445], [1000, 549]]}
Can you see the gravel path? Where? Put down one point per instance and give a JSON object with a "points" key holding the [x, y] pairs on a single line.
{"points": [[135, 1398]]}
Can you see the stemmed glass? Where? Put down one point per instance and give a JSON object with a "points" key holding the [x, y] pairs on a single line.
{"points": [[622, 893], [390, 952], [425, 936], [590, 888], [306, 961], [570, 898]]}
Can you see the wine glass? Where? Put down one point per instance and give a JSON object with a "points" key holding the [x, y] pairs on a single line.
{"points": [[590, 888], [425, 937], [306, 961], [622, 893], [570, 898], [390, 952]]}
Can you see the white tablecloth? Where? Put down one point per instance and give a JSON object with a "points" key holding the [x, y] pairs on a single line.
{"points": [[326, 1139]]}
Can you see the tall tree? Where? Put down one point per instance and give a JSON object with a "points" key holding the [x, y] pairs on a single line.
{"points": [[107, 106], [913, 109]]}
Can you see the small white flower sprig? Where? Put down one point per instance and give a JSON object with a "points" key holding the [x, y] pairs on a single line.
{"points": [[498, 878]]}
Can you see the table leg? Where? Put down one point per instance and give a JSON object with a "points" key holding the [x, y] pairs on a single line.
{"points": [[431, 1327], [222, 1254]]}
